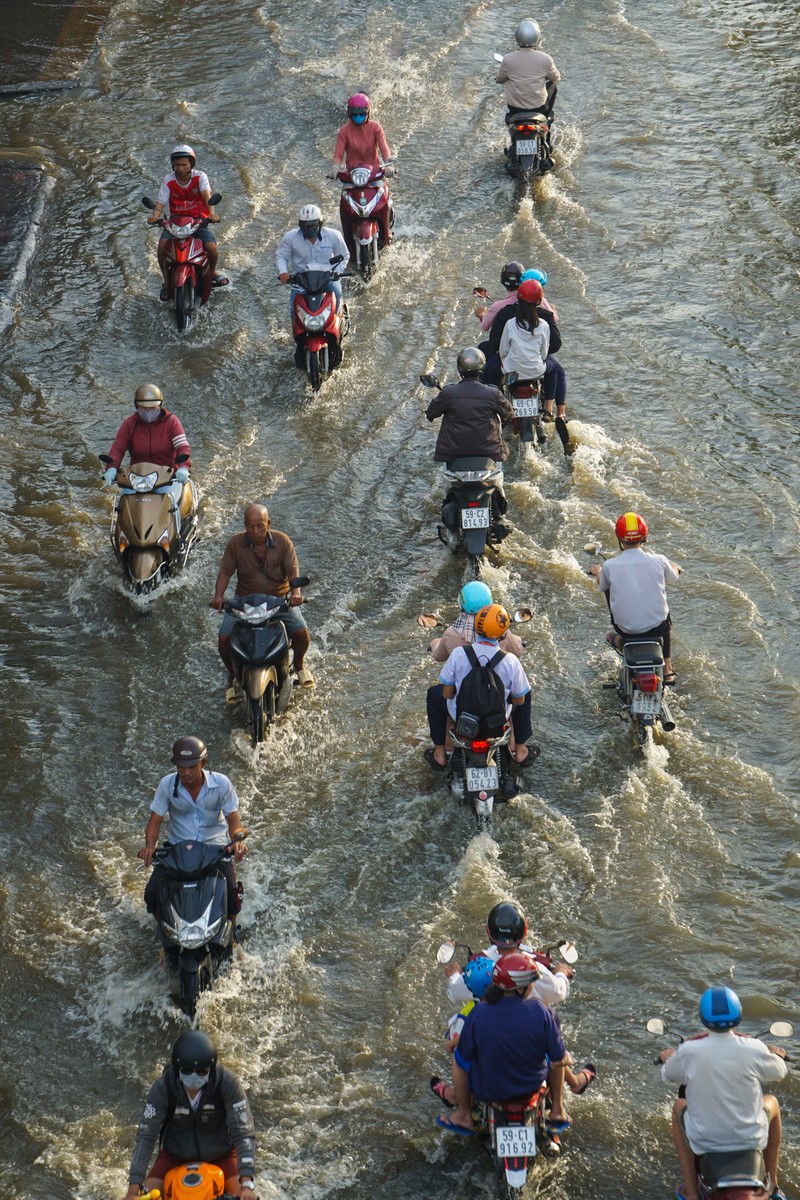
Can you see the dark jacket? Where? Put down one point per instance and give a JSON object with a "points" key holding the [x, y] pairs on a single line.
{"points": [[472, 414], [509, 313], [222, 1122]]}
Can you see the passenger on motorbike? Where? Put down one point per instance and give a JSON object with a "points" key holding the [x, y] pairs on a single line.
{"points": [[313, 242], [264, 561], [151, 434], [477, 981], [635, 584], [196, 1109], [509, 1045], [361, 142], [471, 599], [724, 1108], [202, 806], [186, 192], [491, 622], [554, 379], [529, 75]]}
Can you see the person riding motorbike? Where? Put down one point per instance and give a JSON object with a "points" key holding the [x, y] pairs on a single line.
{"points": [[151, 434], [196, 1109], [312, 242], [510, 277], [530, 76], [185, 192], [491, 622], [361, 142], [724, 1108], [474, 596], [636, 593], [509, 1045], [202, 806]]}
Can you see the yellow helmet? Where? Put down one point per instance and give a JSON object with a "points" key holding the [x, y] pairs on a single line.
{"points": [[492, 621]]}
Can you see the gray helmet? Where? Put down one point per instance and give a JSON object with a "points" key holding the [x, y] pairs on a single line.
{"points": [[470, 362], [188, 752], [528, 33]]}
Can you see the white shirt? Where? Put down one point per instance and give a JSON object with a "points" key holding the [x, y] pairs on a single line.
{"points": [[636, 583], [301, 252], [723, 1073], [200, 820], [510, 670], [552, 987], [523, 351]]}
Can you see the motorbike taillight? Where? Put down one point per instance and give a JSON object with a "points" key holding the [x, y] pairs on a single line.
{"points": [[480, 747], [647, 681], [473, 504], [526, 129]]}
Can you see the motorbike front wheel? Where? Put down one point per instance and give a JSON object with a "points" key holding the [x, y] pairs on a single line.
{"points": [[365, 260], [257, 720], [192, 983], [313, 370], [184, 297]]}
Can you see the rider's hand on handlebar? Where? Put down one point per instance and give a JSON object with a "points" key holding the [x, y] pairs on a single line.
{"points": [[663, 1055], [284, 277], [594, 570], [332, 175], [779, 1050], [216, 602], [562, 969], [153, 220], [146, 854]]}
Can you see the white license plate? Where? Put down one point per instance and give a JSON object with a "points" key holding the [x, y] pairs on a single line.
{"points": [[526, 406], [527, 147], [516, 1141], [481, 779], [646, 704], [474, 518]]}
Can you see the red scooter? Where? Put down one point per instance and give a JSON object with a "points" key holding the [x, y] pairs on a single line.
{"points": [[187, 262], [365, 197], [317, 327]]}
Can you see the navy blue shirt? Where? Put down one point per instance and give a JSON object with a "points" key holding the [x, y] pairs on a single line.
{"points": [[505, 1047]]}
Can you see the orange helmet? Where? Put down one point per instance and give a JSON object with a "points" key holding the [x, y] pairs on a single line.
{"points": [[492, 621], [631, 528], [194, 1181]]}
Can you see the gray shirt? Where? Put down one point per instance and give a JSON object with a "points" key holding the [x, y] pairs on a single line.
{"points": [[200, 820], [525, 73]]}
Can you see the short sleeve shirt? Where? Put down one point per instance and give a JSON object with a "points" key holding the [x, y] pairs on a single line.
{"points": [[271, 579], [505, 1047], [200, 820], [510, 670], [636, 582]]}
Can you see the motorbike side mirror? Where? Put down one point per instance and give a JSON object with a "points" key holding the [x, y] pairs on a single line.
{"points": [[445, 952], [300, 582], [336, 259], [429, 620], [215, 198], [147, 202], [179, 458], [781, 1029], [656, 1026], [498, 57], [480, 291], [104, 458], [429, 381], [594, 548], [568, 951], [522, 615]]}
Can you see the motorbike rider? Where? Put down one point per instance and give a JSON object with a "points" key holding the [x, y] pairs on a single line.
{"points": [[491, 622], [635, 584], [474, 596], [196, 1109], [510, 277], [185, 192], [151, 434], [553, 377], [530, 76], [361, 142], [264, 562], [202, 806], [312, 242], [724, 1108], [509, 1045]]}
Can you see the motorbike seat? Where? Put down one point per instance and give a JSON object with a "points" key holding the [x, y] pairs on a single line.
{"points": [[643, 654], [527, 115], [742, 1168], [470, 464]]}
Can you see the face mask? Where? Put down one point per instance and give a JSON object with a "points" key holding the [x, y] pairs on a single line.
{"points": [[359, 118], [148, 415], [195, 1080]]}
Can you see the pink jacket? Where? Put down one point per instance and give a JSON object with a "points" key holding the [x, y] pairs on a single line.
{"points": [[358, 145], [158, 443]]}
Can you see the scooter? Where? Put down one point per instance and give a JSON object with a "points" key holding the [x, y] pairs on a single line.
{"points": [[150, 538], [317, 327], [640, 682], [193, 922], [532, 141], [730, 1174], [365, 195], [527, 400], [187, 262], [473, 503], [260, 650]]}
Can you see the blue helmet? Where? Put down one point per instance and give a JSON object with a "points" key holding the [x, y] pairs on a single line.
{"points": [[539, 276], [474, 596], [478, 975], [720, 1008]]}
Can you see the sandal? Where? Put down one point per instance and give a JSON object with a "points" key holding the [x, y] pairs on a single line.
{"points": [[669, 679], [233, 693], [165, 293], [439, 1087], [533, 754], [430, 759], [220, 281], [589, 1070], [614, 640], [558, 1126]]}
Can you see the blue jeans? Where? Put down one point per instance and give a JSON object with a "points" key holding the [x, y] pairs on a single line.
{"points": [[292, 618]]}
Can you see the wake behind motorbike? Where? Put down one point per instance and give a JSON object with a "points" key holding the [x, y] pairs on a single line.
{"points": [[730, 1174], [317, 327], [193, 923], [261, 653], [365, 198], [188, 271], [150, 535]]}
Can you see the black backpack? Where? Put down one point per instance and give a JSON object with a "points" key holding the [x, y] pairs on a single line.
{"points": [[482, 694]]}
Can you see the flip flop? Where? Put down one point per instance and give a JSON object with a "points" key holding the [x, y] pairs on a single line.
{"points": [[533, 754], [431, 761], [165, 293], [451, 1128], [562, 431], [558, 1126], [439, 1087], [590, 1072], [670, 679], [614, 640], [220, 281]]}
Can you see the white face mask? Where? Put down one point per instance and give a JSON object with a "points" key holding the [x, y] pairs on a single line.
{"points": [[195, 1080], [148, 415]]}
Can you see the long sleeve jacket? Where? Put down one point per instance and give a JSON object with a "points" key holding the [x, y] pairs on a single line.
{"points": [[159, 443]]}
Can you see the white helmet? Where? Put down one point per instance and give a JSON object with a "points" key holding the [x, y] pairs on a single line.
{"points": [[183, 151], [310, 212], [528, 33]]}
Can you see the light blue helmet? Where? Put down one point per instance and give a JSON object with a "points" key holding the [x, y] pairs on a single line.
{"points": [[478, 975], [539, 276], [720, 1008], [474, 596]]}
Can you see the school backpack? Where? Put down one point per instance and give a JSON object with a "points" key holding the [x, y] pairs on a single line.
{"points": [[483, 694]]}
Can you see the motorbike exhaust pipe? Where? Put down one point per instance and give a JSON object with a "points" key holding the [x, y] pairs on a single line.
{"points": [[667, 723]]}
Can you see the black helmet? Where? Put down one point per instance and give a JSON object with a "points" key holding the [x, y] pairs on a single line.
{"points": [[506, 924], [194, 1051], [470, 362], [511, 275], [188, 752]]}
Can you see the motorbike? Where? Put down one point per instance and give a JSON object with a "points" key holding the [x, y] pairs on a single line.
{"points": [[187, 262], [473, 503], [194, 926], [527, 400], [150, 538], [317, 327], [365, 195], [260, 650], [729, 1174], [640, 682], [532, 141]]}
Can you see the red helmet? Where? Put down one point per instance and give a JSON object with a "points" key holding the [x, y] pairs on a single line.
{"points": [[530, 290], [357, 104], [631, 528], [513, 971]]}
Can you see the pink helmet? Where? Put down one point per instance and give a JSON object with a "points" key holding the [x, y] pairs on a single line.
{"points": [[358, 104]]}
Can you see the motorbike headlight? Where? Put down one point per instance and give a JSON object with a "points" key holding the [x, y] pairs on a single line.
{"points": [[192, 936], [143, 483], [360, 176], [316, 320]]}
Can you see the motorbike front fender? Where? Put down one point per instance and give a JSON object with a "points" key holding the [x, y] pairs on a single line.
{"points": [[365, 231], [315, 342], [182, 272], [255, 680], [144, 562]]}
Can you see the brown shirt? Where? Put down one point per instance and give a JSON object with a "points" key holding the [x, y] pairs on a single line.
{"points": [[271, 578]]}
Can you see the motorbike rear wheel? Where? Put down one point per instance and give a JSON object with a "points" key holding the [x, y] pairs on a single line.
{"points": [[184, 297], [313, 370]]}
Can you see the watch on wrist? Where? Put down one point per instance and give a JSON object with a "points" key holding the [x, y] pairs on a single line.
{"points": [[247, 1183]]}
